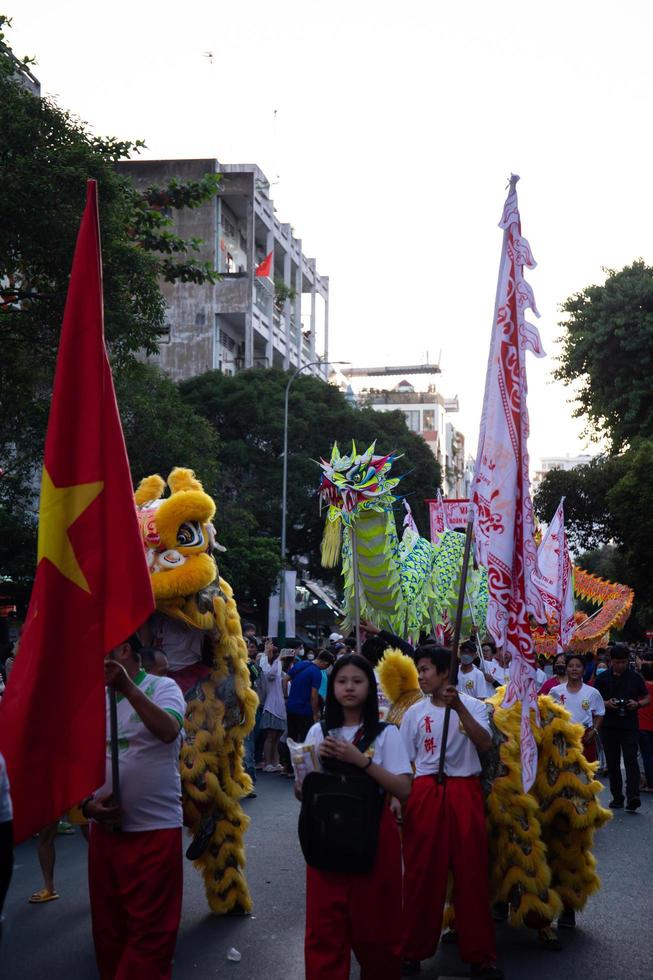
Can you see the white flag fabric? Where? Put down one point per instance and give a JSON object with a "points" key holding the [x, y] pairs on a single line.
{"points": [[438, 518], [554, 578], [501, 503]]}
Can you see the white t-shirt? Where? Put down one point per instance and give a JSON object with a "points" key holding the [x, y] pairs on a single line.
{"points": [[274, 700], [472, 683], [150, 784], [500, 674], [387, 750], [540, 677], [421, 732], [181, 643], [581, 704], [384, 704], [6, 809]]}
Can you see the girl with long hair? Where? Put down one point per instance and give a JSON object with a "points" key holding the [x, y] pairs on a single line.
{"points": [[358, 911]]}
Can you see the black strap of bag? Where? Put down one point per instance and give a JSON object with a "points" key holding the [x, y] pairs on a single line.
{"points": [[341, 812]]}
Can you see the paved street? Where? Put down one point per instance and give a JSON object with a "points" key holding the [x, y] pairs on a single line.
{"points": [[613, 941]]}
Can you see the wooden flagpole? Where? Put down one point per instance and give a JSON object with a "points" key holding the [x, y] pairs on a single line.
{"points": [[115, 766]]}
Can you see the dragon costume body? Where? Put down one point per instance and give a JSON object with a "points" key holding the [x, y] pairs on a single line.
{"points": [[407, 585], [198, 628], [404, 585], [541, 857]]}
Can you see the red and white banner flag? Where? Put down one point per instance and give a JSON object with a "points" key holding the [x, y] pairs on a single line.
{"points": [[554, 578], [446, 514], [501, 503], [437, 518]]}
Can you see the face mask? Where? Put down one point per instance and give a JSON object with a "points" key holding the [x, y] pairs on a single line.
{"points": [[601, 670], [467, 658], [559, 669]]}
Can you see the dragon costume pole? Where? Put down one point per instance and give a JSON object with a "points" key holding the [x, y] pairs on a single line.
{"points": [[357, 598], [453, 667]]}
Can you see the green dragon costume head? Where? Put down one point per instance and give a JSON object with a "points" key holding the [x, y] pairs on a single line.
{"points": [[350, 486]]}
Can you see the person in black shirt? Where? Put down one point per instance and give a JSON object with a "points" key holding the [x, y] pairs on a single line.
{"points": [[624, 693]]}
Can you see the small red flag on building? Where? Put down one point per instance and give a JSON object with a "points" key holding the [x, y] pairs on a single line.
{"points": [[265, 268], [92, 588]]}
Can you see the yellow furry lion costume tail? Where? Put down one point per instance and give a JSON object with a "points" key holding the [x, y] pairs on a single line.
{"points": [[179, 540]]}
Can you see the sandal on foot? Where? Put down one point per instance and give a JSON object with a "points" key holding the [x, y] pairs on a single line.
{"points": [[41, 896], [549, 938]]}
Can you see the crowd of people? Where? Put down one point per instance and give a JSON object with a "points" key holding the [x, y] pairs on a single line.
{"points": [[424, 819]]}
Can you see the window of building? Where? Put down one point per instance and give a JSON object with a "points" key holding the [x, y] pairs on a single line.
{"points": [[412, 420], [428, 420], [227, 342]]}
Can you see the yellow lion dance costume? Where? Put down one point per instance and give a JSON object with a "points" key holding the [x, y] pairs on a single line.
{"points": [[540, 842], [197, 624]]}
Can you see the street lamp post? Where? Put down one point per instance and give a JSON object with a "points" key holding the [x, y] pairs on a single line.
{"points": [[281, 629]]}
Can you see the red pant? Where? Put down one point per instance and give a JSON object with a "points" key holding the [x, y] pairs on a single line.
{"points": [[359, 912], [444, 829], [135, 884]]}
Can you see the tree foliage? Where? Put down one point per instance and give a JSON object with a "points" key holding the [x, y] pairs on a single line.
{"points": [[608, 353], [247, 411], [609, 520], [46, 158]]}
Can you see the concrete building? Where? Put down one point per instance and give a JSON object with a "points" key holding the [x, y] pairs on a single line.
{"points": [[567, 462], [425, 413], [245, 320]]}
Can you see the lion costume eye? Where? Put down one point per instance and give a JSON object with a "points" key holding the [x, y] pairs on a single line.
{"points": [[190, 534]]}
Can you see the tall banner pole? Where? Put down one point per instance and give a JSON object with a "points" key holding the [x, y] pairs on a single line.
{"points": [[453, 666], [357, 598]]}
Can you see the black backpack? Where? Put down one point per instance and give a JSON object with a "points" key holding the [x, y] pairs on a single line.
{"points": [[340, 815]]}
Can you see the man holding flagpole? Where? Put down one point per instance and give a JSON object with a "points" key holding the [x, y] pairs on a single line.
{"points": [[135, 846]]}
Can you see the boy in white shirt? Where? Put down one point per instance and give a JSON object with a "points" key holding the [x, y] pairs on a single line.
{"points": [[584, 704], [134, 860], [444, 821], [471, 681]]}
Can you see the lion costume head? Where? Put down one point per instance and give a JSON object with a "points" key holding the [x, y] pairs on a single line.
{"points": [[179, 539]]}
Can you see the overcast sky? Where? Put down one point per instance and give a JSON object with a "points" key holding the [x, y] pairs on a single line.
{"points": [[397, 126]]}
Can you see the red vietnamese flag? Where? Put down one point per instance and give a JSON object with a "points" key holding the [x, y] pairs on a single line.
{"points": [[92, 587], [265, 268]]}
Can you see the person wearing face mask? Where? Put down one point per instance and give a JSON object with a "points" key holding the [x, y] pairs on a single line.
{"points": [[471, 680], [559, 674], [584, 703]]}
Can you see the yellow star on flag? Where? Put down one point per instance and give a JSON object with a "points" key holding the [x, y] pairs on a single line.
{"points": [[60, 507]]}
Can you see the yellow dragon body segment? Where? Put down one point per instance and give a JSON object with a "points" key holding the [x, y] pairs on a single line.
{"points": [[196, 608]]}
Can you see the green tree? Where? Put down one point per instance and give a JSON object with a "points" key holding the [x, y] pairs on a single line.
{"points": [[609, 521], [247, 412], [46, 158], [607, 353]]}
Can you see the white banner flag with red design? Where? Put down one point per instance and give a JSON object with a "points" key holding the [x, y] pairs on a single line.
{"points": [[554, 578], [501, 503]]}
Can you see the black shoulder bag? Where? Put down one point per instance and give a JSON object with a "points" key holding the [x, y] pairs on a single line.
{"points": [[340, 815]]}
